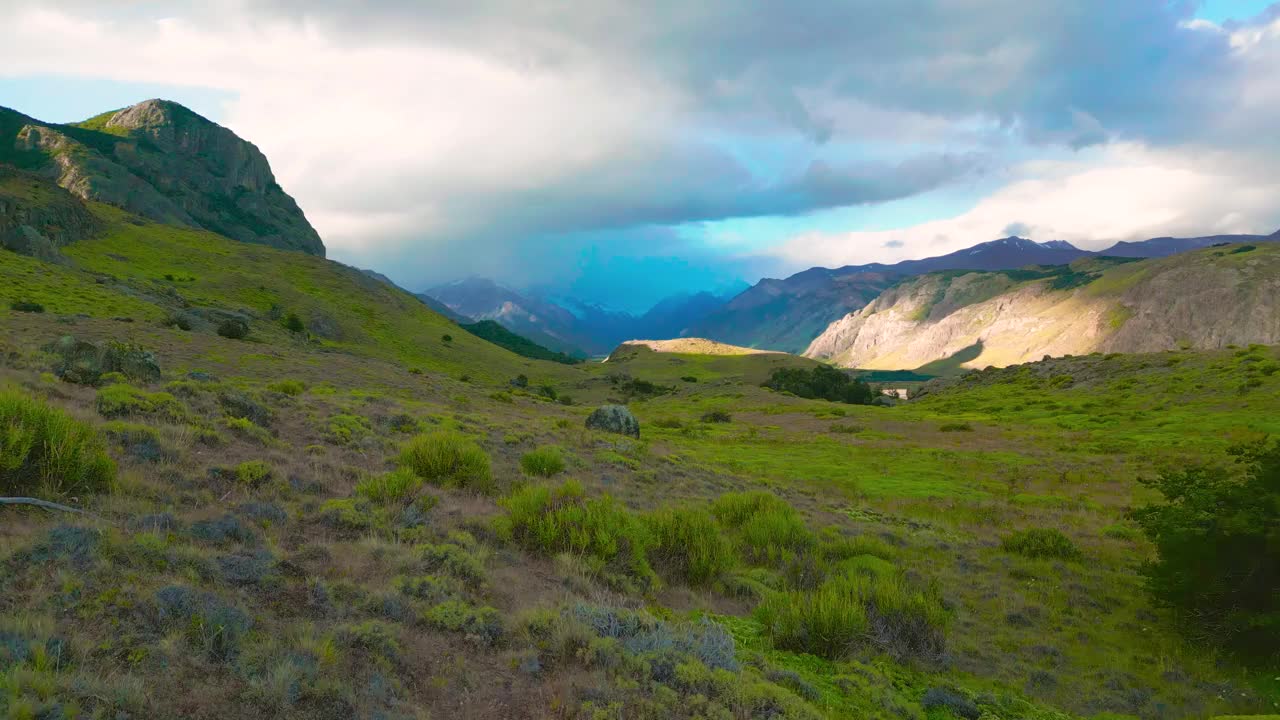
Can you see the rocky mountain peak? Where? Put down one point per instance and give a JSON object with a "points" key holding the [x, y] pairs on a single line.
{"points": [[163, 161]]}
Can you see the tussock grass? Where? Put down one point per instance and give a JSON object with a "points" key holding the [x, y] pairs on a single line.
{"points": [[853, 613], [393, 487], [543, 462], [449, 459], [765, 528], [1041, 543], [551, 520], [46, 452], [688, 544]]}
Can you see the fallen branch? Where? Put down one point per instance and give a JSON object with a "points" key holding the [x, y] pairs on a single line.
{"points": [[41, 504]]}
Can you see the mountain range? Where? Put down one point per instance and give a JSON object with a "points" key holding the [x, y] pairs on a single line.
{"points": [[575, 328], [789, 314]]}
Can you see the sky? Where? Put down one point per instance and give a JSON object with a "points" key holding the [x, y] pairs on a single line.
{"points": [[619, 152]]}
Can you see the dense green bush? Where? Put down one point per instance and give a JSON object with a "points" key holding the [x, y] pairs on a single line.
{"points": [[688, 545], [847, 614], [1217, 538], [717, 416], [24, 306], [46, 452], [1041, 543], [562, 519], [450, 459], [543, 462], [822, 382], [293, 323], [253, 472]]}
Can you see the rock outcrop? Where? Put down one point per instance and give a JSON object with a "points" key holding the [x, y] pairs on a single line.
{"points": [[1204, 299], [37, 217], [166, 163]]}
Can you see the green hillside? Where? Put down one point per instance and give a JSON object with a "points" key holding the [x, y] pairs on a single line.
{"points": [[305, 494], [502, 337]]}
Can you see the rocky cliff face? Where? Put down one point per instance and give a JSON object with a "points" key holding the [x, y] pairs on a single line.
{"points": [[37, 217], [164, 162], [1204, 299]]}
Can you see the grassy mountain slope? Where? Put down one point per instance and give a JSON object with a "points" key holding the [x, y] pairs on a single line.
{"points": [[1206, 299], [151, 273], [502, 337]]}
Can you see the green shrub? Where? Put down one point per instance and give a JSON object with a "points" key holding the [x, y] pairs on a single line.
{"points": [[562, 520], [1041, 543], [851, 613], [1218, 559], [293, 323], [25, 306], [956, 427], [245, 428], [544, 462], [292, 388], [482, 623], [766, 529], [449, 459], [822, 382], [346, 429], [452, 560], [253, 472], [845, 428], [46, 452], [717, 416], [122, 400], [688, 544], [233, 329], [392, 487]]}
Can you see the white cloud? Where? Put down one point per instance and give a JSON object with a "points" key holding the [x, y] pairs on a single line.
{"points": [[1128, 192], [439, 137]]}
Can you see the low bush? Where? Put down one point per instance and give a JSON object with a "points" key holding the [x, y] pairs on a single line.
{"points": [[453, 560], [25, 306], [122, 400], [688, 545], [484, 624], [233, 329], [543, 462], [246, 429], [717, 416], [293, 323], [393, 487], [845, 428], [562, 519], [956, 427], [253, 472], [344, 429], [854, 613], [449, 459], [1041, 543], [46, 452]]}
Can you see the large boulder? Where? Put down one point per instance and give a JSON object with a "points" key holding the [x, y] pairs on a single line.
{"points": [[82, 362], [615, 419]]}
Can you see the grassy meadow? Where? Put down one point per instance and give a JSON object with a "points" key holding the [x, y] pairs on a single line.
{"points": [[364, 519]]}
